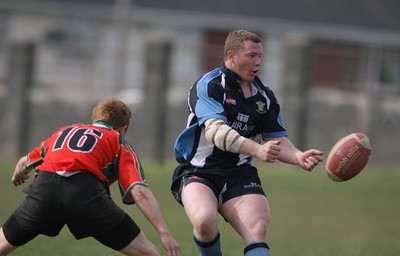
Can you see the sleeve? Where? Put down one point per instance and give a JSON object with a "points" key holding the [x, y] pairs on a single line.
{"points": [[206, 101], [36, 156], [130, 172]]}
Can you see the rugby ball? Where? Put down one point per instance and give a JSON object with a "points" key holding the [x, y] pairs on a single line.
{"points": [[348, 157]]}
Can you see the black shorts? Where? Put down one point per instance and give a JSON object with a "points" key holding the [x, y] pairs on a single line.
{"points": [[225, 183], [80, 201]]}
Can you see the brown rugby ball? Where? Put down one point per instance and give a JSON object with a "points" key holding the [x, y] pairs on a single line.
{"points": [[348, 157]]}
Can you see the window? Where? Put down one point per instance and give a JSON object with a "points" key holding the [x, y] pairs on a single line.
{"points": [[356, 67], [383, 69]]}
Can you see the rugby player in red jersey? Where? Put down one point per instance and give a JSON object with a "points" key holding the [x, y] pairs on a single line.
{"points": [[73, 168]]}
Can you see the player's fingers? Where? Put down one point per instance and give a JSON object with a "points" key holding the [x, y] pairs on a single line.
{"points": [[277, 146], [306, 167], [170, 252], [173, 252], [17, 181], [274, 154], [315, 160], [315, 155], [312, 159], [308, 164], [273, 145], [274, 151], [318, 154], [176, 253], [319, 158]]}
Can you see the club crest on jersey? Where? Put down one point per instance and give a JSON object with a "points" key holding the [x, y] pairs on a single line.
{"points": [[260, 107], [231, 101]]}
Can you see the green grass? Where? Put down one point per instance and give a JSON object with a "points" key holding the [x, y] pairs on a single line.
{"points": [[311, 215]]}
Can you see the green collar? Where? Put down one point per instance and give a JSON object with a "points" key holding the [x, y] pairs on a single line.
{"points": [[105, 124]]}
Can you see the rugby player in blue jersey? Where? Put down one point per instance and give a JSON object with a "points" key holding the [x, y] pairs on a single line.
{"points": [[233, 118]]}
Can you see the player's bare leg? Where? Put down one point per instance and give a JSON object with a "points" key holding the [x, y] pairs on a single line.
{"points": [[140, 246], [201, 207], [5, 246], [249, 216]]}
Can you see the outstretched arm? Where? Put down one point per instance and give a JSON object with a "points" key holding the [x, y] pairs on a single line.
{"points": [[21, 173], [307, 160], [148, 205], [282, 149]]}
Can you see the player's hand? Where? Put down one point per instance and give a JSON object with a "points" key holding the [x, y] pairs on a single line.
{"points": [[170, 244], [269, 151], [19, 178], [310, 159], [21, 173]]}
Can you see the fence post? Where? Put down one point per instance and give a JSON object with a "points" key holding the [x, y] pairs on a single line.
{"points": [[18, 101], [156, 89]]}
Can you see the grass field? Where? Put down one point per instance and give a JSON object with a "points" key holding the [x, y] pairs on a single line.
{"points": [[311, 215]]}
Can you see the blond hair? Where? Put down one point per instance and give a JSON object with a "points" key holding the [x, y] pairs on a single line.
{"points": [[234, 41], [112, 112]]}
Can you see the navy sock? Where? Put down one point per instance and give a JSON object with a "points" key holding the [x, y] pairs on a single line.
{"points": [[256, 249], [211, 248]]}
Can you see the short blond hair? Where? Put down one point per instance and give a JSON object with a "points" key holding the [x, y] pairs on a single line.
{"points": [[234, 41], [112, 112]]}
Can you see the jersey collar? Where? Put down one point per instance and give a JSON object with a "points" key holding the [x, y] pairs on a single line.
{"points": [[101, 123], [230, 74], [234, 77]]}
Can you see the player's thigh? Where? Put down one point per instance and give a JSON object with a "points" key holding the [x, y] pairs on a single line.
{"points": [[199, 202], [248, 215], [140, 246]]}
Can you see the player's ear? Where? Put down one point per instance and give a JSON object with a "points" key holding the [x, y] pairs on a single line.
{"points": [[230, 56], [123, 129]]}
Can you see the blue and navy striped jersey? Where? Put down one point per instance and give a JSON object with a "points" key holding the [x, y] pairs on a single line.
{"points": [[217, 94]]}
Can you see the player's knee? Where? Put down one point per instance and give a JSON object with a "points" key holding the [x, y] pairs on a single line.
{"points": [[260, 228], [206, 228], [205, 222]]}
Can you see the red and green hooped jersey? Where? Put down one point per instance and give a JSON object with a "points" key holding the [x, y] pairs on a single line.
{"points": [[95, 148]]}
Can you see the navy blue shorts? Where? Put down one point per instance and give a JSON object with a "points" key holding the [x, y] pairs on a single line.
{"points": [[225, 183], [81, 201]]}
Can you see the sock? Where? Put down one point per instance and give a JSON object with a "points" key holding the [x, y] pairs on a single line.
{"points": [[211, 248], [256, 249]]}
